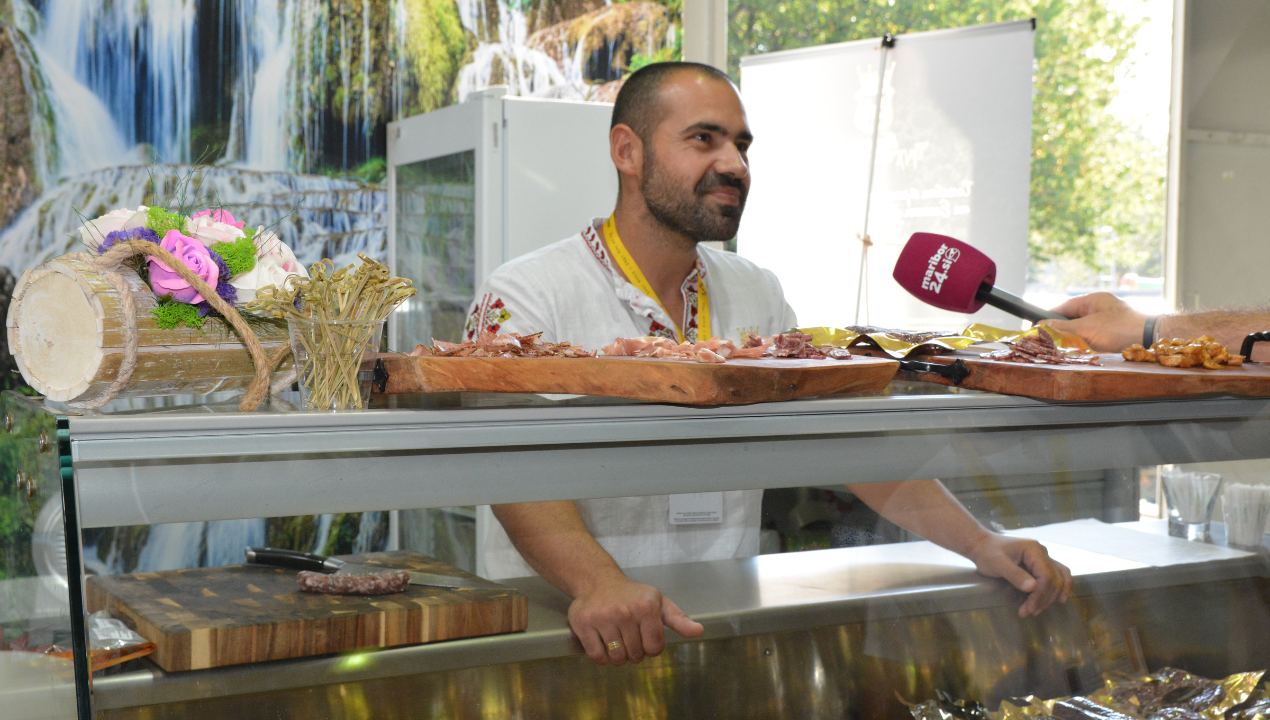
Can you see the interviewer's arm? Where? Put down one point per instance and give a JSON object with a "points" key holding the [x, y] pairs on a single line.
{"points": [[1108, 324]]}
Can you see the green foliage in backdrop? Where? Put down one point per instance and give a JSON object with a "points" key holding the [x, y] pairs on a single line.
{"points": [[1097, 193]]}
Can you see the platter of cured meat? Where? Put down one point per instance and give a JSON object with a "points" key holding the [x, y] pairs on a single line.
{"points": [[1035, 368], [714, 372]]}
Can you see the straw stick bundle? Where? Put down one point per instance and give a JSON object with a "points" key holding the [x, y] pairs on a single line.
{"points": [[334, 316], [1192, 494], [1246, 508]]}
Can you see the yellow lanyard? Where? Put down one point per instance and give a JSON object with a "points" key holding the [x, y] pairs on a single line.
{"points": [[627, 263]]}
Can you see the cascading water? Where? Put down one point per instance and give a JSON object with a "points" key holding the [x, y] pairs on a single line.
{"points": [[261, 123], [83, 135], [526, 71], [137, 57], [317, 216]]}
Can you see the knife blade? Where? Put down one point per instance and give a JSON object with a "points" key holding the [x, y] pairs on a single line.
{"points": [[297, 560]]}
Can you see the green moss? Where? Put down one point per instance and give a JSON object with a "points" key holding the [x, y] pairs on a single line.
{"points": [[161, 221], [170, 313], [239, 256]]}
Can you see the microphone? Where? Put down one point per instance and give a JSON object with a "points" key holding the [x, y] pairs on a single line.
{"points": [[952, 275]]}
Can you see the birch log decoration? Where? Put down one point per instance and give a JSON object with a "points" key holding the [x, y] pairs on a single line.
{"points": [[67, 331]]}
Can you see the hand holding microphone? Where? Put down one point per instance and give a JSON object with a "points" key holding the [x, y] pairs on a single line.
{"points": [[952, 275]]}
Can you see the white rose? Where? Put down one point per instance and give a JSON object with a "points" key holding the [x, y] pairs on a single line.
{"points": [[274, 264], [138, 219], [94, 232], [209, 232]]}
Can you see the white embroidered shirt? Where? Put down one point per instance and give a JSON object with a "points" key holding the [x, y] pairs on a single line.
{"points": [[571, 291]]}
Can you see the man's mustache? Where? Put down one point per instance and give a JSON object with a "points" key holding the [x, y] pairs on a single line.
{"points": [[714, 180]]}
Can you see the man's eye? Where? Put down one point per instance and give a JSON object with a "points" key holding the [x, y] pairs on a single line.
{"points": [[703, 137]]}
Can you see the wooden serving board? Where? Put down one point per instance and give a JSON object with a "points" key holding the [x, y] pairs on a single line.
{"points": [[210, 617], [736, 382], [1115, 379]]}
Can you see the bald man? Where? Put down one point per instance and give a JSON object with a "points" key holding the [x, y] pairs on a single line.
{"points": [[678, 140]]}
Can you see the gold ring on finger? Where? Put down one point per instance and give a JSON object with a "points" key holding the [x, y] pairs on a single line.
{"points": [[614, 645]]}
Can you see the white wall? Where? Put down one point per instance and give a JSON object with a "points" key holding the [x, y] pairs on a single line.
{"points": [[954, 153], [1223, 241]]}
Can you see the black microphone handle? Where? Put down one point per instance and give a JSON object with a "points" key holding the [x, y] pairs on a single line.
{"points": [[1013, 304]]}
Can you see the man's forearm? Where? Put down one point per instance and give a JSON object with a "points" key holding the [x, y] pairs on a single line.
{"points": [[1228, 327], [924, 507], [557, 545]]}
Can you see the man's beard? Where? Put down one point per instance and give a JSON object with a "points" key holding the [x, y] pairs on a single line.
{"points": [[687, 213]]}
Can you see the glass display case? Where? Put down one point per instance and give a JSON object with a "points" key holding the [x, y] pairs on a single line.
{"points": [[860, 629]]}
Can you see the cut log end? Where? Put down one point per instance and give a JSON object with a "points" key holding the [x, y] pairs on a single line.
{"points": [[55, 331]]}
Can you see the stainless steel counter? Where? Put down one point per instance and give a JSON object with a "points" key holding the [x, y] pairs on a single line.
{"points": [[209, 462], [755, 603]]}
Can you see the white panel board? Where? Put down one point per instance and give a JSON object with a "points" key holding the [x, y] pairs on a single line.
{"points": [[953, 158], [558, 171]]}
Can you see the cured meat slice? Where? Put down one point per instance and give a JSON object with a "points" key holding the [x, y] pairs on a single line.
{"points": [[387, 582], [1039, 349], [508, 345], [706, 355]]}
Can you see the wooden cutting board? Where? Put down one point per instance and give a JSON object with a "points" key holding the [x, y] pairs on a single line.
{"points": [[1115, 379], [736, 382], [210, 617]]}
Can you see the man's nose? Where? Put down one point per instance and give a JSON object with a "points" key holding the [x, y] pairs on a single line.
{"points": [[732, 163]]}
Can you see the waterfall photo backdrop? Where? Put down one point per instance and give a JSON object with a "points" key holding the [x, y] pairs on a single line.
{"points": [[277, 110]]}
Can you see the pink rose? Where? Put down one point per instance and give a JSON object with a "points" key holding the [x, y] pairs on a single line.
{"points": [[195, 256], [220, 216]]}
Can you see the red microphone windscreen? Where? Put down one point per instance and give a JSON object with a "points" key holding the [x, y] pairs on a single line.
{"points": [[943, 271]]}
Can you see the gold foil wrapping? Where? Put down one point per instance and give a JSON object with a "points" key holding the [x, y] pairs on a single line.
{"points": [[899, 348], [1239, 692]]}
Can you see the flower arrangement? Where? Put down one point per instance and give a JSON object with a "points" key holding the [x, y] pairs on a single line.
{"points": [[223, 252]]}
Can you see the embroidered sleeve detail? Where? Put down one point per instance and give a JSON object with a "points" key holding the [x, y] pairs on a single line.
{"points": [[656, 329], [488, 316], [593, 242]]}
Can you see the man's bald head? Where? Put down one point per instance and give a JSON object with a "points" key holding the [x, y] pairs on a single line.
{"points": [[638, 103]]}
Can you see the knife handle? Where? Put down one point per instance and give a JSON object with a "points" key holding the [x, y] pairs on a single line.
{"points": [[1253, 339], [292, 559], [954, 372]]}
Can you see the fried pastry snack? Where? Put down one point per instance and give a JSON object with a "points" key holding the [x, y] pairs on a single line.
{"points": [[1203, 351]]}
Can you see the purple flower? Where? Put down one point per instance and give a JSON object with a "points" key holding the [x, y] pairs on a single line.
{"points": [[226, 291], [220, 263], [118, 236]]}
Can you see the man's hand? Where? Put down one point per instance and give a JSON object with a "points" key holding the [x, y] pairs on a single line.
{"points": [[632, 614], [1027, 565], [1106, 322]]}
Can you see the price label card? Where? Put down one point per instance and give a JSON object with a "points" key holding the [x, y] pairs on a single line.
{"points": [[696, 508]]}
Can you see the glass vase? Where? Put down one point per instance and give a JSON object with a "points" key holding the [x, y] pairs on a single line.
{"points": [[329, 355]]}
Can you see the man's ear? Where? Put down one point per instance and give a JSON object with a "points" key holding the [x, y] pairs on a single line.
{"points": [[627, 151]]}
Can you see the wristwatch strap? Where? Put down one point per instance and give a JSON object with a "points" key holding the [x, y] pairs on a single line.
{"points": [[1148, 331]]}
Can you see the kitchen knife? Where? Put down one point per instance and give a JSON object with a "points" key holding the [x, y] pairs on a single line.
{"points": [[297, 560]]}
